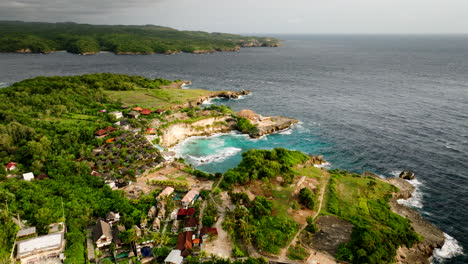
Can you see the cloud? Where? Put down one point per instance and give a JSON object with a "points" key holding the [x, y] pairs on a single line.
{"points": [[65, 10]]}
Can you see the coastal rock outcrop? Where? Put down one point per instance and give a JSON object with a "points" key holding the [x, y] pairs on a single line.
{"points": [[432, 236], [266, 124], [407, 175]]}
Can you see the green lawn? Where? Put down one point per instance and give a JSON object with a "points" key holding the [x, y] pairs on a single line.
{"points": [[157, 98]]}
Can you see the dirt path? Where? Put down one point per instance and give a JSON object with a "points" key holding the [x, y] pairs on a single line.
{"points": [[284, 251], [222, 245]]}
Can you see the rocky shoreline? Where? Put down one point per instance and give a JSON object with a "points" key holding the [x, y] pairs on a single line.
{"points": [[433, 237]]}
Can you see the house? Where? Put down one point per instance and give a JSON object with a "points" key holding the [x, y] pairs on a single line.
{"points": [[189, 198], [133, 114], [190, 224], [159, 111], [175, 226], [42, 176], [156, 224], [137, 231], [145, 111], [26, 232], [10, 166], [196, 242], [162, 212], [185, 212], [188, 244], [28, 176], [151, 131], [166, 192], [137, 109], [103, 132], [110, 140], [112, 217], [116, 235], [124, 124], [206, 231], [174, 257], [102, 235], [117, 114], [42, 249], [152, 212]]}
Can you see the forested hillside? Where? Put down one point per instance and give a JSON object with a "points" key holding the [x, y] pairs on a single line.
{"points": [[37, 37]]}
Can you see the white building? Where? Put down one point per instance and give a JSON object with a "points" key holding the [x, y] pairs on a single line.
{"points": [[42, 249], [28, 176], [174, 257], [117, 114]]}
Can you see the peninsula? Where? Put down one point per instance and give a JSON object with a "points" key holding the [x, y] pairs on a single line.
{"points": [[86, 161], [85, 39]]}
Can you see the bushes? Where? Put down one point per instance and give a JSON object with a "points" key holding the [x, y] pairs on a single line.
{"points": [[244, 126], [306, 197], [258, 164]]}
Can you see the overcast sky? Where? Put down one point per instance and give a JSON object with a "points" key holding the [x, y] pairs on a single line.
{"points": [[255, 16]]}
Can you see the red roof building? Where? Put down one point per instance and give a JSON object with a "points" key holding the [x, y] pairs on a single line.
{"points": [[191, 211], [10, 166], [145, 112], [205, 231], [137, 108]]}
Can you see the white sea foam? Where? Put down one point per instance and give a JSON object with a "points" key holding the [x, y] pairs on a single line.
{"points": [[219, 156], [450, 249], [416, 199], [326, 165]]}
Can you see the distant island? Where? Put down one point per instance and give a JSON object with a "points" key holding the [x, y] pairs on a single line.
{"points": [[86, 39], [85, 160]]}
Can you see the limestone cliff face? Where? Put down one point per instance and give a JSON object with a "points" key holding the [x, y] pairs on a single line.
{"points": [[177, 132]]}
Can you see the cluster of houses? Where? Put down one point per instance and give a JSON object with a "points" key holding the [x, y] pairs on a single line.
{"points": [[28, 176], [129, 155], [191, 238], [49, 248], [185, 224]]}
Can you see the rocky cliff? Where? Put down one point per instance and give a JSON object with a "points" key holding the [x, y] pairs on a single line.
{"points": [[433, 237]]}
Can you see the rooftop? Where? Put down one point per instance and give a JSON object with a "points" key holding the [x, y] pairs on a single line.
{"points": [[46, 242]]}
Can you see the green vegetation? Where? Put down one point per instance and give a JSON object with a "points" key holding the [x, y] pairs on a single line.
{"points": [[307, 198], [152, 98], [88, 39], [252, 222], [258, 164], [297, 253], [244, 126], [210, 214], [47, 126], [377, 231]]}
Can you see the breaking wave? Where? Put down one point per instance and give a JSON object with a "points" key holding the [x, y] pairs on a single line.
{"points": [[450, 249], [219, 156]]}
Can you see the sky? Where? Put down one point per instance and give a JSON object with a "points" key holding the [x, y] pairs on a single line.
{"points": [[255, 16]]}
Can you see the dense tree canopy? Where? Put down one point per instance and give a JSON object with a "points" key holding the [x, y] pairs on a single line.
{"points": [[18, 36], [47, 125]]}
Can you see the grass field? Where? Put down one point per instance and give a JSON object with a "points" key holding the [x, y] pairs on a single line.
{"points": [[310, 171], [157, 98]]}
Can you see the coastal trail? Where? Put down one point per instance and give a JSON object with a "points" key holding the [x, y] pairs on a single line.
{"points": [[283, 255]]}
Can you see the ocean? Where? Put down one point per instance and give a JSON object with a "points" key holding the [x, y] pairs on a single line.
{"points": [[366, 103]]}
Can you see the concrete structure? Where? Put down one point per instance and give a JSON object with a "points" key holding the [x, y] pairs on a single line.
{"points": [[28, 176], [26, 232], [174, 257], [117, 114], [42, 249]]}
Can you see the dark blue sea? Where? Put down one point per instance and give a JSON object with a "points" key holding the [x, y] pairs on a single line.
{"points": [[367, 103]]}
